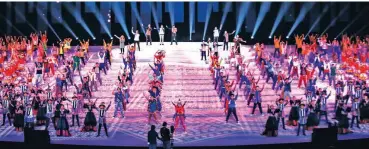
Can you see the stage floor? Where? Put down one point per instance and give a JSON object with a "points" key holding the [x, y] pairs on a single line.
{"points": [[187, 78]]}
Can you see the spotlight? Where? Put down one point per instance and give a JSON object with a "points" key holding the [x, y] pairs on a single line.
{"points": [[108, 20], [270, 37], [77, 38], [94, 38], [287, 37], [252, 37], [111, 37]]}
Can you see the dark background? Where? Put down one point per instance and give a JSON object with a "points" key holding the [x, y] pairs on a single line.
{"points": [[7, 11]]}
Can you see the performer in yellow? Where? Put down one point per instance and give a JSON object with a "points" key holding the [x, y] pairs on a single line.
{"points": [[67, 42], [108, 47]]}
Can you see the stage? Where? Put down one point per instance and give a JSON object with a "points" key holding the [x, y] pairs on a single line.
{"points": [[188, 78]]}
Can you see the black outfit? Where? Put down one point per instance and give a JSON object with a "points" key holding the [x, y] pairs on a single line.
{"points": [[152, 136], [19, 118], [90, 119], [312, 119], [271, 124], [165, 135]]}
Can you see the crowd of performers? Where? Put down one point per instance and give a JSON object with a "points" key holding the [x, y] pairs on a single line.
{"points": [[28, 100], [342, 65]]}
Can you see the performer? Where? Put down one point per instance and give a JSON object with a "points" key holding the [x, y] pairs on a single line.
{"points": [[355, 113], [136, 38], [6, 105], [90, 119], [216, 35], [41, 113], [343, 121], [29, 117], [281, 114], [102, 118], [62, 127], [122, 41], [323, 105], [108, 55], [312, 119], [102, 61], [179, 116], [303, 112], [50, 113], [226, 39], [148, 34], [119, 102], [76, 107], [174, 34], [294, 112], [277, 46], [203, 49], [271, 126], [161, 35], [257, 99], [19, 117], [232, 106], [152, 108]]}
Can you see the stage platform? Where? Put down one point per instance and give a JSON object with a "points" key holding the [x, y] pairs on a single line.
{"points": [[187, 78]]}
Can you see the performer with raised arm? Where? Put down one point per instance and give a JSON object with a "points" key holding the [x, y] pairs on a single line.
{"points": [[62, 127], [119, 102], [232, 106], [136, 38], [122, 41], [277, 42], [257, 99], [102, 118], [174, 34], [226, 39], [237, 44], [148, 34], [179, 116], [152, 108], [90, 119], [271, 126]]}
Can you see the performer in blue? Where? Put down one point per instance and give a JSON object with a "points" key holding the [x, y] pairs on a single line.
{"points": [[323, 105], [152, 108], [303, 113], [157, 72], [257, 99], [118, 98], [232, 106]]}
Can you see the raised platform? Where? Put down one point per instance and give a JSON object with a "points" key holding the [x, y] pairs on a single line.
{"points": [[186, 78]]}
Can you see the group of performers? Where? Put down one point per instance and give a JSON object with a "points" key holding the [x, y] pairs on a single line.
{"points": [[343, 64], [161, 32], [27, 99]]}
